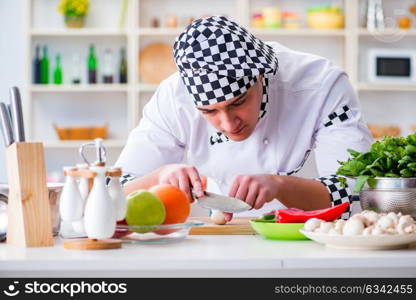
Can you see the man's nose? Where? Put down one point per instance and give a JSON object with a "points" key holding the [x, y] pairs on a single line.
{"points": [[229, 122]]}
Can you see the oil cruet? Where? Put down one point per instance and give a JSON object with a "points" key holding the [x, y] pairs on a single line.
{"points": [[99, 216], [78, 226], [117, 195], [71, 203]]}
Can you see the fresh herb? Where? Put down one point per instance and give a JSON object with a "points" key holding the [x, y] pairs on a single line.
{"points": [[389, 157]]}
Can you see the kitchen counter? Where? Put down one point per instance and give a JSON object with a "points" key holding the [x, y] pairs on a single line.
{"points": [[208, 256]]}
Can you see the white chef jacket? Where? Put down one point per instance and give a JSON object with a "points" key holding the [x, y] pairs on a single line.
{"points": [[306, 97]]}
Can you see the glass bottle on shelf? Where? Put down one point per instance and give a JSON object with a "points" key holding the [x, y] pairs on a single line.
{"points": [[108, 67], [36, 66], [76, 69], [57, 73], [92, 65], [44, 67], [123, 66]]}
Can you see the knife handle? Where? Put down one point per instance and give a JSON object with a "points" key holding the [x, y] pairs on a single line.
{"points": [[6, 125], [17, 114]]}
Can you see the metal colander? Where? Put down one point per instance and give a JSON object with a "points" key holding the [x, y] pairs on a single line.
{"points": [[390, 194]]}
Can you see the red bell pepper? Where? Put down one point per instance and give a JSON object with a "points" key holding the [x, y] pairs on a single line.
{"points": [[294, 215]]}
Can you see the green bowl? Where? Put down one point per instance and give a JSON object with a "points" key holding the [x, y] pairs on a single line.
{"points": [[279, 231]]}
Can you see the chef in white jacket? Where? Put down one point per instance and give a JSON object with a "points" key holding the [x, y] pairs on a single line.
{"points": [[247, 114]]}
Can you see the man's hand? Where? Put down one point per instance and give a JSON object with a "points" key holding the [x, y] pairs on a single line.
{"points": [[184, 177], [255, 190]]}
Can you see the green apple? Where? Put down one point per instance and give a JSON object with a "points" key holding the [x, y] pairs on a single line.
{"points": [[144, 208]]}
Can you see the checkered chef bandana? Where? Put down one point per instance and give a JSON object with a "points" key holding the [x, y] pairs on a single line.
{"points": [[219, 60]]}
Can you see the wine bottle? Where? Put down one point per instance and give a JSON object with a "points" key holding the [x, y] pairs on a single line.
{"points": [[57, 73], [76, 69], [36, 66], [123, 66], [44, 67], [108, 66], [92, 66]]}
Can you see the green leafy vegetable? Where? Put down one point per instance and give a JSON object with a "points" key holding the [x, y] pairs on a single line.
{"points": [[389, 157]]}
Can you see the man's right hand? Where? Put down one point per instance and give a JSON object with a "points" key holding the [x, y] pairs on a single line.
{"points": [[184, 177]]}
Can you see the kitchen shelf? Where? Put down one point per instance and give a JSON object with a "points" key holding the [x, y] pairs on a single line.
{"points": [[399, 32], [386, 88], [60, 144], [150, 32], [77, 32], [298, 32], [78, 88]]}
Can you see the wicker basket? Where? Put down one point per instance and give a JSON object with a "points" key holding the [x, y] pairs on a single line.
{"points": [[81, 133]]}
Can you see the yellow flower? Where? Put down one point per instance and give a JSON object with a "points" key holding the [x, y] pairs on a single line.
{"points": [[73, 7]]}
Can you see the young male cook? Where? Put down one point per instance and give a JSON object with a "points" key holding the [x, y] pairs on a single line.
{"points": [[246, 114]]}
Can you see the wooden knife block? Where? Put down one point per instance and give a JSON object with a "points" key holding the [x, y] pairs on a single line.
{"points": [[28, 205]]}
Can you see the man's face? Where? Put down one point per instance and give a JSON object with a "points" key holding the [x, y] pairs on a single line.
{"points": [[236, 117]]}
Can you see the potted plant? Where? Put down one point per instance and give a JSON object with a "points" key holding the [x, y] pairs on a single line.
{"points": [[74, 12]]}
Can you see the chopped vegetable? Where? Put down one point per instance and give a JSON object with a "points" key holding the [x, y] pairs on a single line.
{"points": [[294, 215], [269, 218], [390, 157]]}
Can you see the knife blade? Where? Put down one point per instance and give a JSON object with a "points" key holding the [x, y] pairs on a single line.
{"points": [[222, 203], [6, 125], [17, 114]]}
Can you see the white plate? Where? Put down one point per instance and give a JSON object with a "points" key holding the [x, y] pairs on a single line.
{"points": [[369, 242]]}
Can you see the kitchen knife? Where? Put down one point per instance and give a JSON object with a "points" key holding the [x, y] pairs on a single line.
{"points": [[17, 114], [6, 125], [222, 203]]}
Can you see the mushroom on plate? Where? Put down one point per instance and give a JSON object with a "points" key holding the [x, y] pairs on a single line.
{"points": [[312, 224], [353, 226]]}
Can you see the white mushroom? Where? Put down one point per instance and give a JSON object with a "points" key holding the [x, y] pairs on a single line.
{"points": [[370, 217], [218, 217], [359, 217], [368, 230], [377, 231], [406, 219], [393, 216], [339, 224], [325, 227], [410, 229], [353, 226], [312, 224], [333, 231], [385, 223]]}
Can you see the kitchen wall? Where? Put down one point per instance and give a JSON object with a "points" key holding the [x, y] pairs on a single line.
{"points": [[11, 55]]}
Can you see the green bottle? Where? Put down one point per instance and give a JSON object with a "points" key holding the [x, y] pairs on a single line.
{"points": [[44, 67], [92, 66], [123, 67], [57, 73]]}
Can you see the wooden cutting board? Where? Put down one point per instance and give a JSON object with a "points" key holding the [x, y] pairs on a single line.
{"points": [[237, 226]]}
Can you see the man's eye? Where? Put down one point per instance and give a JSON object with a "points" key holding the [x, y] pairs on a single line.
{"points": [[207, 112], [238, 103]]}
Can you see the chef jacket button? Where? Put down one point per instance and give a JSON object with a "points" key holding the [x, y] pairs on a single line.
{"points": [[265, 141]]}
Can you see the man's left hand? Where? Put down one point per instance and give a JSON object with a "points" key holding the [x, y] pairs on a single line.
{"points": [[255, 190]]}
